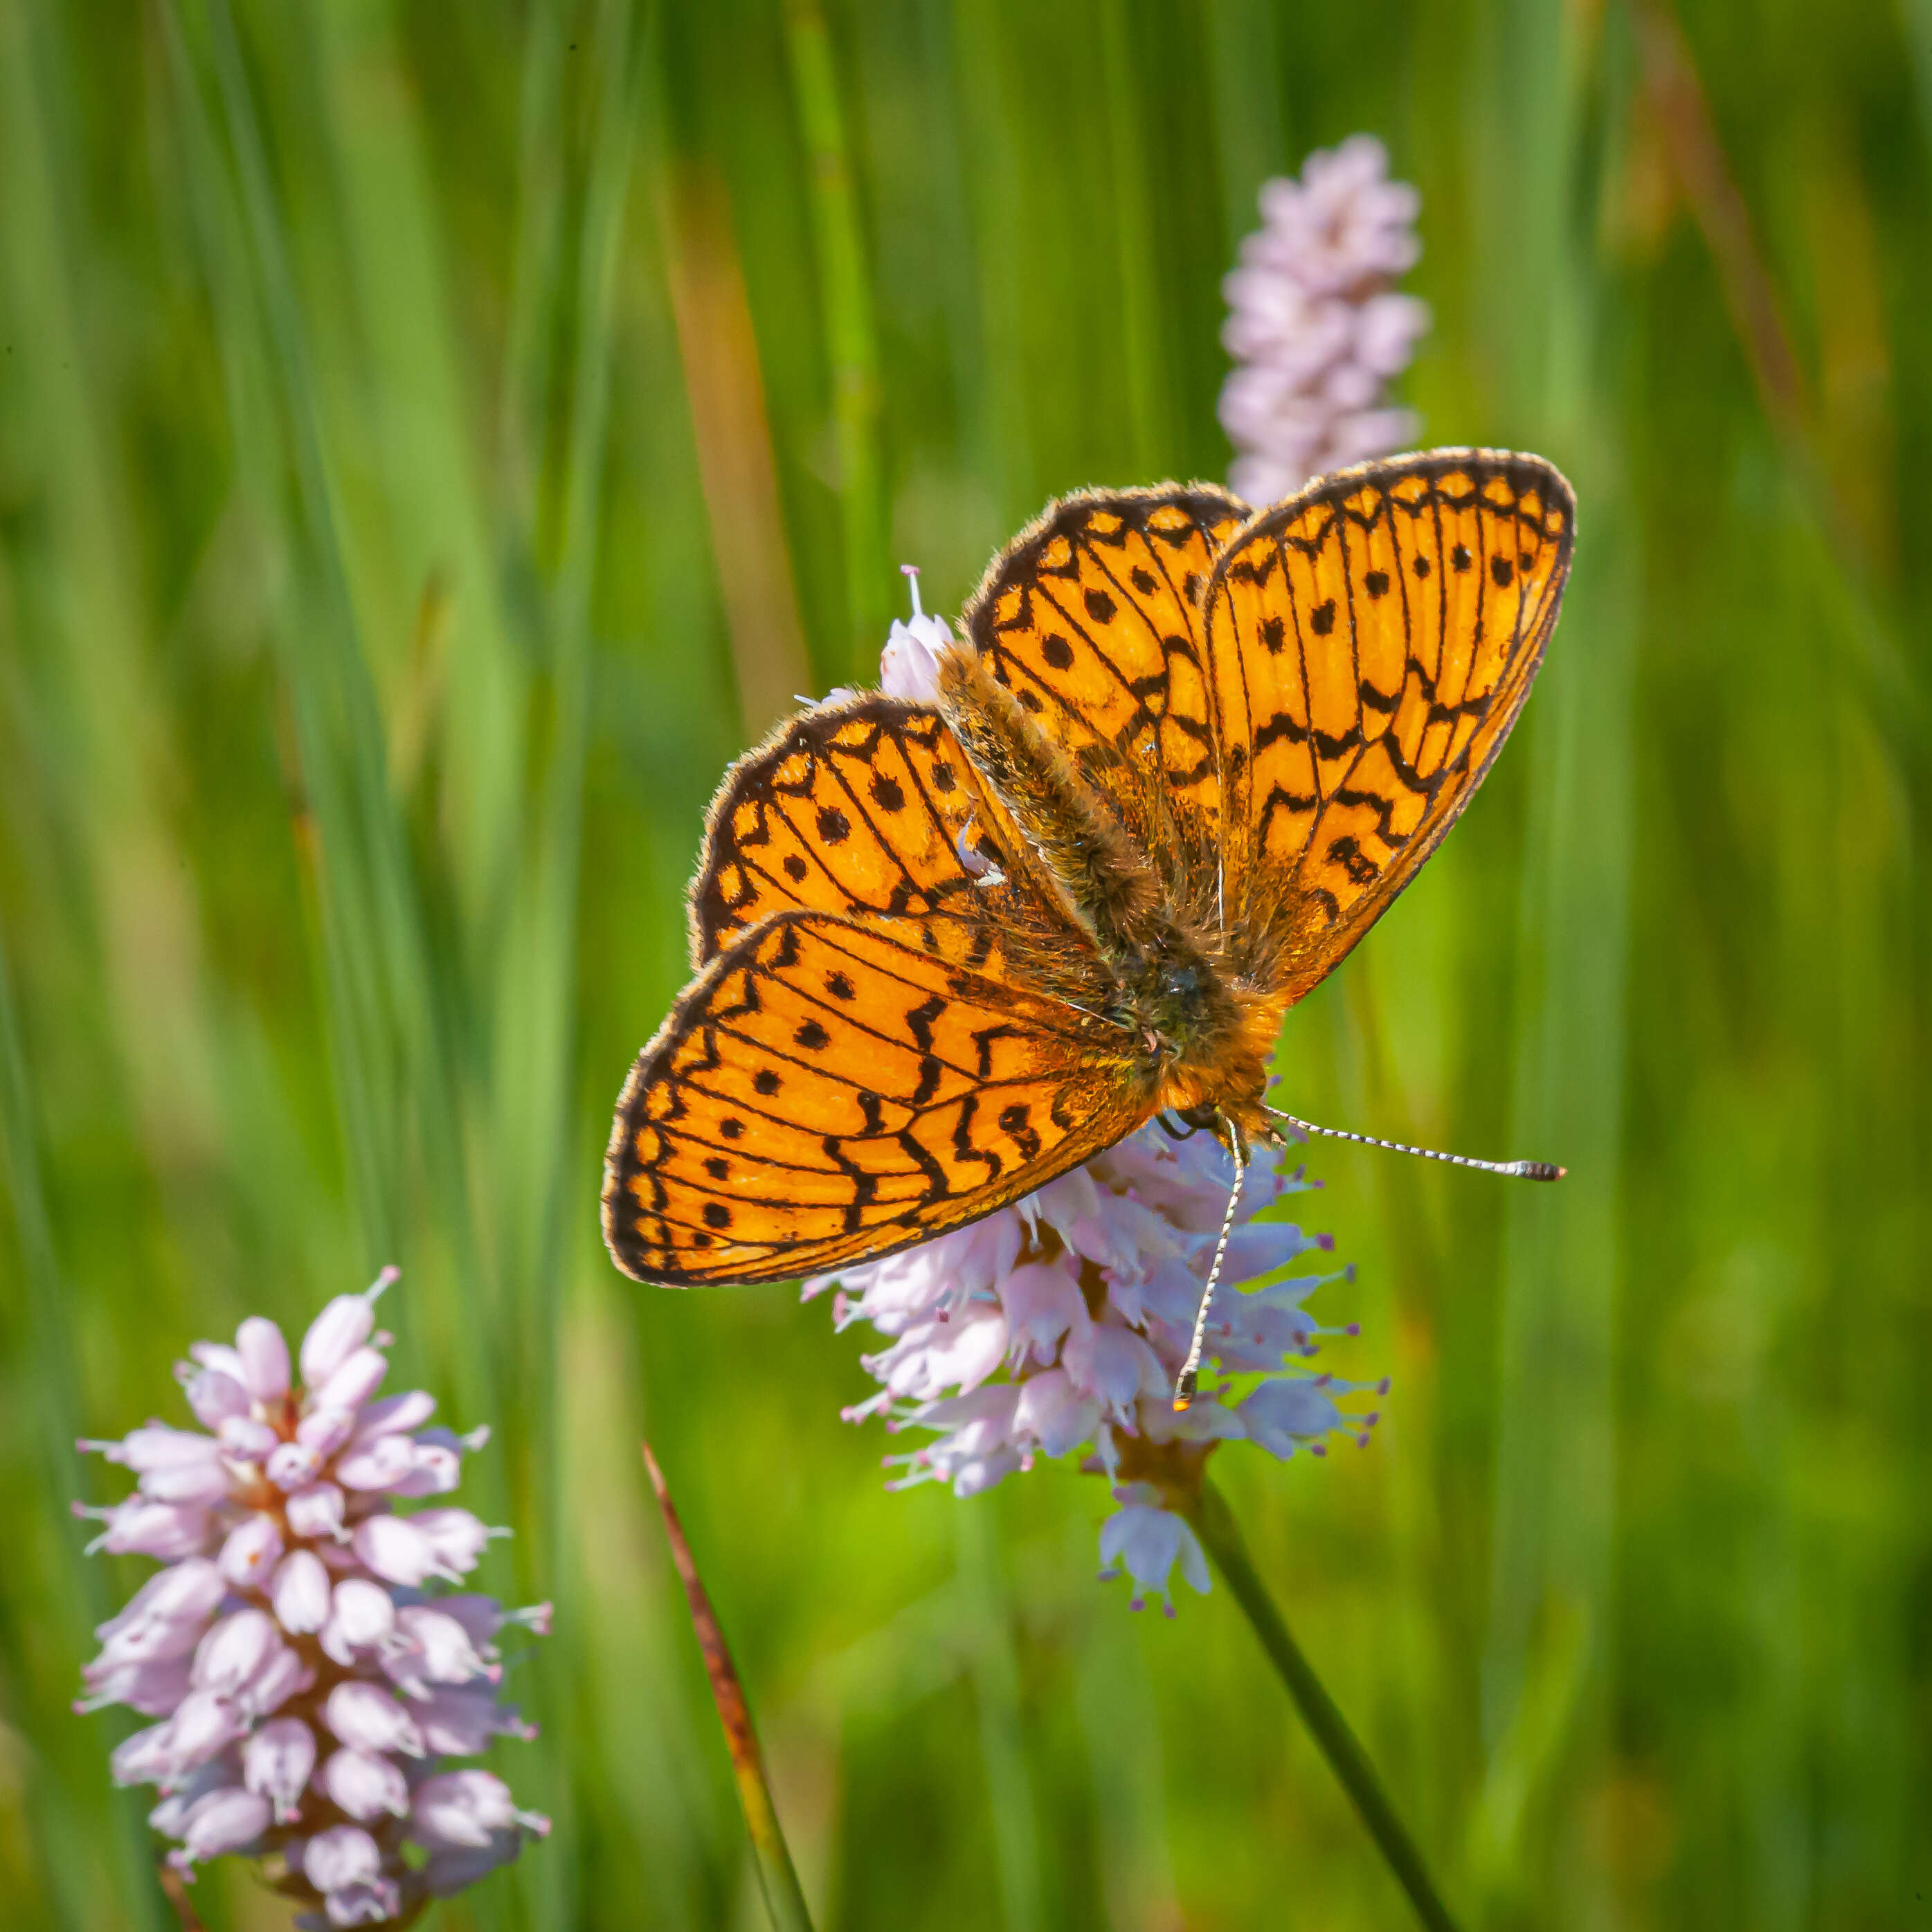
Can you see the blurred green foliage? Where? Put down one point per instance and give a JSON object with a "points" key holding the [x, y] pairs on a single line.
{"points": [[434, 438]]}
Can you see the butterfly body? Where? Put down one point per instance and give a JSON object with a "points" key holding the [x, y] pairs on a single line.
{"points": [[1184, 756], [1196, 1013]]}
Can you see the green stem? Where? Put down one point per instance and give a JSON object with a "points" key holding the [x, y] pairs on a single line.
{"points": [[1215, 1522]]}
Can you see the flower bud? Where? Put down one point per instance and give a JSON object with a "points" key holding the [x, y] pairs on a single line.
{"points": [[264, 1358], [369, 1720], [316, 1511], [243, 1439], [140, 1526], [457, 1537], [324, 1430], [462, 1808], [364, 1784], [344, 1855], [204, 1724], [234, 1652], [355, 1379], [379, 1463], [302, 1593], [223, 1821], [361, 1617], [250, 1554], [395, 1415], [215, 1397], [339, 1331], [189, 1589], [277, 1761], [396, 1549], [292, 1466]]}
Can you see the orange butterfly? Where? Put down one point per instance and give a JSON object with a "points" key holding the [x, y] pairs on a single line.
{"points": [[1187, 756]]}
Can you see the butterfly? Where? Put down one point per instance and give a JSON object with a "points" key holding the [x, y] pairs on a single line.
{"points": [[1185, 755]]}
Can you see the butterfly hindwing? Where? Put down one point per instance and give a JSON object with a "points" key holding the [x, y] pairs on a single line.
{"points": [[833, 1087], [1371, 641]]}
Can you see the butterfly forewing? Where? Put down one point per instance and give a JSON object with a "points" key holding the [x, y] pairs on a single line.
{"points": [[857, 807], [1092, 618], [833, 1087], [1371, 643]]}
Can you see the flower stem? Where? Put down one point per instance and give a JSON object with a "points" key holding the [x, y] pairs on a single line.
{"points": [[1214, 1522], [784, 1899]]}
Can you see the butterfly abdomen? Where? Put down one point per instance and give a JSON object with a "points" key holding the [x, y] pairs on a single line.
{"points": [[1102, 880]]}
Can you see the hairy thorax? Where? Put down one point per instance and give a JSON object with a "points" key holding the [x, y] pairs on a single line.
{"points": [[1193, 1014]]}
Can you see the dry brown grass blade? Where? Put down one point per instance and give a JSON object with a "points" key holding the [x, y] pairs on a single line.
{"points": [[778, 1879]]}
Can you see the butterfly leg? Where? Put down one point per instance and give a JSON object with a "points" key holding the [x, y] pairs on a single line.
{"points": [[1188, 1381]]}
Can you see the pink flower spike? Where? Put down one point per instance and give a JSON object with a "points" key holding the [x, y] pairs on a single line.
{"points": [[264, 1358], [277, 1762], [364, 1784], [273, 1661], [340, 1329]]}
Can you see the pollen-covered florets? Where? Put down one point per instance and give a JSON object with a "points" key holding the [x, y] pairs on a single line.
{"points": [[309, 1670], [1062, 1321]]}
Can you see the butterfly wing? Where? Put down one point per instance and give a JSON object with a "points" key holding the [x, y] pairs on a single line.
{"points": [[1092, 617], [857, 807], [1371, 642], [832, 1088]]}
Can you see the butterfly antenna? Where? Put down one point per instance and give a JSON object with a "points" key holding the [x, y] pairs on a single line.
{"points": [[1189, 1378], [1516, 1170]]}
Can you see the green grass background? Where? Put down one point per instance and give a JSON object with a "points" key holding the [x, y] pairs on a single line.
{"points": [[434, 438]]}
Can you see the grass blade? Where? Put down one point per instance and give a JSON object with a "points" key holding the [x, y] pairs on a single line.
{"points": [[777, 1879]]}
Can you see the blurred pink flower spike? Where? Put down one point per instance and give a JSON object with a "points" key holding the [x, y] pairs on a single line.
{"points": [[304, 1662], [1316, 326]]}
